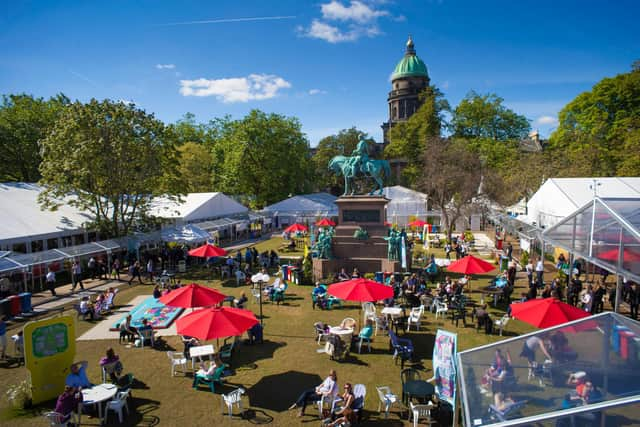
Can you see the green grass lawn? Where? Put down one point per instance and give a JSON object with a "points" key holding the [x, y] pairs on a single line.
{"points": [[273, 373]]}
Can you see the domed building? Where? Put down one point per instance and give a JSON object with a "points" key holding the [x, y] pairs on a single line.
{"points": [[409, 79]]}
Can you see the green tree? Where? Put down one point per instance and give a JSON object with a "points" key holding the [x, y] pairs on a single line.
{"points": [[188, 130], [110, 159], [341, 144], [453, 190], [484, 116], [407, 140], [597, 134], [195, 167], [24, 121], [263, 157]]}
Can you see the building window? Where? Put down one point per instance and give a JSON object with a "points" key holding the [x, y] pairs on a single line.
{"points": [[395, 113], [20, 248], [37, 246], [52, 243], [402, 112]]}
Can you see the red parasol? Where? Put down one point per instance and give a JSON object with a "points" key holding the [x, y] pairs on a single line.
{"points": [[546, 312], [612, 255], [325, 222], [216, 322], [192, 295], [418, 223], [295, 228], [207, 251], [470, 265], [388, 224], [362, 290]]}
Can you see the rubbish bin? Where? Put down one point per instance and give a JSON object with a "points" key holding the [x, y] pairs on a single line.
{"points": [[16, 307], [296, 275], [498, 244], [290, 271], [25, 301], [182, 266], [285, 271], [379, 276], [504, 263]]}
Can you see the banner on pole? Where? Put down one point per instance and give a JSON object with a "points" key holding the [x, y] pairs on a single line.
{"points": [[444, 367], [403, 249]]}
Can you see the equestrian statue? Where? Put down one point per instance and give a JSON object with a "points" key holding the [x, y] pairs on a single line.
{"points": [[360, 164]]}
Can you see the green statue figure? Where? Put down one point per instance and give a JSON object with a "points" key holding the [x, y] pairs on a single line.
{"points": [[323, 244], [393, 250], [360, 164]]}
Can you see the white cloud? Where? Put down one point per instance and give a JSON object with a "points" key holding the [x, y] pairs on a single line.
{"points": [[345, 23], [317, 92], [547, 120], [165, 66], [445, 85], [236, 89], [357, 12]]}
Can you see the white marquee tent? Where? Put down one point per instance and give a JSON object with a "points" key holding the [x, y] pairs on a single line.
{"points": [[305, 207], [196, 207], [406, 203], [558, 198]]}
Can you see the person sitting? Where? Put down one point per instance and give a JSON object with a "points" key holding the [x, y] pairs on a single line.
{"points": [[327, 388], [126, 330], [345, 414], [240, 302], [501, 402], [292, 245], [213, 365], [156, 292], [482, 316], [78, 375], [68, 402], [355, 274], [112, 358], [145, 327], [86, 308], [319, 297], [188, 343]]}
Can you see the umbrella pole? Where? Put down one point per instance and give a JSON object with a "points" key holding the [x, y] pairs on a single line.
{"points": [[260, 290]]}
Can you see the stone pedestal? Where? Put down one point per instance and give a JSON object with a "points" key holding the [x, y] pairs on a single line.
{"points": [[368, 256]]}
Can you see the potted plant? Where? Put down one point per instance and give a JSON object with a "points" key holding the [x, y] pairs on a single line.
{"points": [[19, 395]]}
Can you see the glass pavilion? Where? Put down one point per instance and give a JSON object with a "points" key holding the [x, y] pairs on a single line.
{"points": [[603, 350]]}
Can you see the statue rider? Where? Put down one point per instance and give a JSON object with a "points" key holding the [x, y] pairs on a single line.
{"points": [[360, 157]]}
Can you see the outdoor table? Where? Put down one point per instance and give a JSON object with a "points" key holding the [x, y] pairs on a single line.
{"points": [[417, 388], [392, 311], [492, 292], [98, 394], [343, 333], [199, 352]]}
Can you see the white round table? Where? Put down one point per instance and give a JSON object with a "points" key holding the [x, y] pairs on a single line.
{"points": [[98, 394], [341, 332]]}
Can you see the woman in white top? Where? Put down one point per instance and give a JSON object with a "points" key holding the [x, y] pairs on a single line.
{"points": [[328, 387]]}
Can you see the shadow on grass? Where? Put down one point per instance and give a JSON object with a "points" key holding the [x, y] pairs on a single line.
{"points": [[289, 386], [250, 353]]}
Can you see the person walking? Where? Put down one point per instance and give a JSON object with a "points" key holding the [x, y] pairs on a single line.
{"points": [[76, 274], [134, 271], [150, 269], [634, 301], [115, 269], [540, 273], [91, 265], [51, 281]]}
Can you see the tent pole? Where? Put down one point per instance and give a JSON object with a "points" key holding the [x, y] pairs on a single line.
{"points": [[618, 276]]}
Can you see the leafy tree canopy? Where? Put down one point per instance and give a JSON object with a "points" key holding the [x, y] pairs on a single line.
{"points": [[24, 121], [195, 167], [408, 139], [485, 116], [110, 159], [599, 131], [264, 157], [341, 144]]}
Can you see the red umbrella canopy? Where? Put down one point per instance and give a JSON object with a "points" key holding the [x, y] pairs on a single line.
{"points": [[627, 255], [216, 322], [470, 265], [326, 222], [192, 295], [418, 223], [363, 290], [295, 228], [207, 251], [546, 312]]}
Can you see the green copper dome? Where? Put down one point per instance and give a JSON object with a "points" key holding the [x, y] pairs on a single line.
{"points": [[410, 65]]}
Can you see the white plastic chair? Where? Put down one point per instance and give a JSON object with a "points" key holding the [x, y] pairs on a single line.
{"points": [[369, 310], [415, 317], [177, 359], [55, 419], [108, 369], [502, 323], [322, 335], [386, 398], [116, 405], [256, 294], [329, 401], [420, 412], [441, 308], [233, 398]]}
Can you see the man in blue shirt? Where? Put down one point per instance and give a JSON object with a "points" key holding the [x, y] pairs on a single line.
{"points": [[78, 376]]}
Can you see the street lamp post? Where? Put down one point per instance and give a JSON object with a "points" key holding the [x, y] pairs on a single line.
{"points": [[259, 279]]}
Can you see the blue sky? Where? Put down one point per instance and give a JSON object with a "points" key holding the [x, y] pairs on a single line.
{"points": [[326, 62]]}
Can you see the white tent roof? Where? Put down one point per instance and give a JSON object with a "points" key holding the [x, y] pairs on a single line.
{"points": [[188, 233], [197, 206], [405, 202], [557, 198], [22, 218], [316, 203]]}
